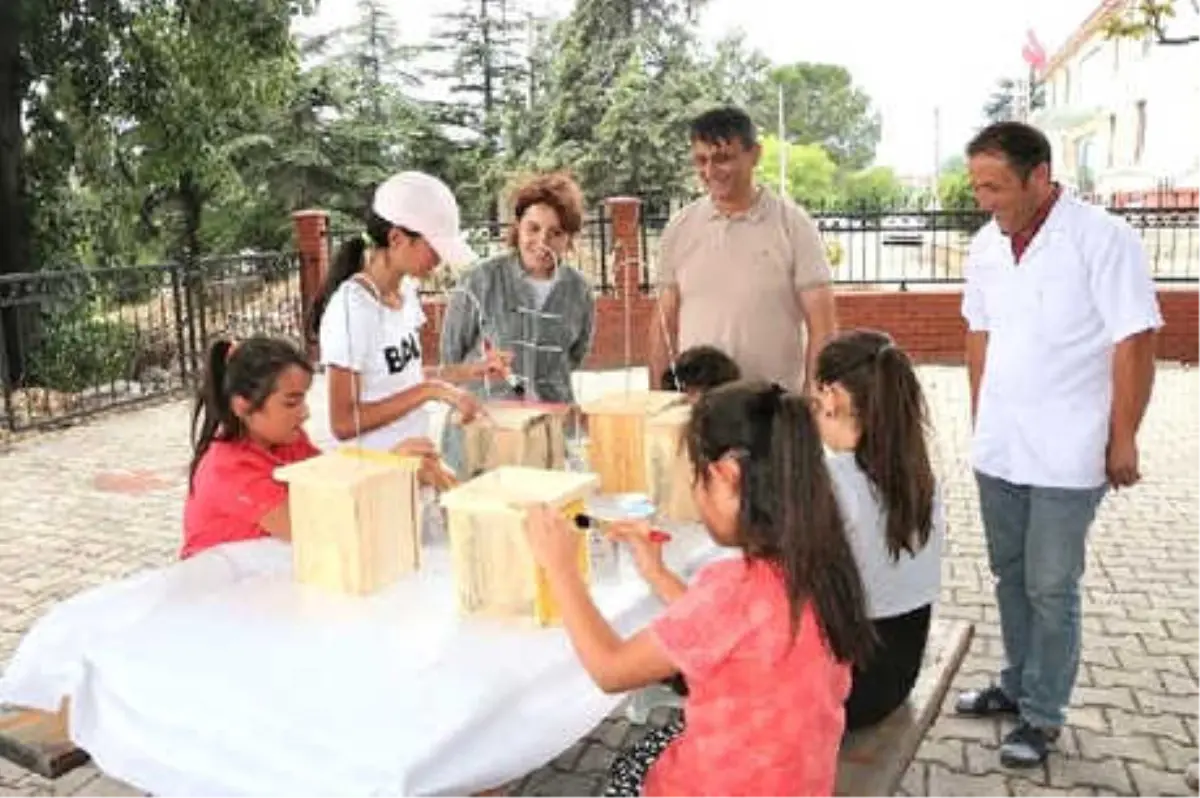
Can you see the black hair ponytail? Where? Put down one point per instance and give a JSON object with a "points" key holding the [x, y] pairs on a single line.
{"points": [[789, 513], [213, 411], [893, 450], [250, 370], [349, 261]]}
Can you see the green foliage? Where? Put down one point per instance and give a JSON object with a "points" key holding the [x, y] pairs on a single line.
{"points": [[1150, 18], [811, 173], [1004, 103], [874, 188], [954, 190], [821, 106], [625, 82], [78, 350]]}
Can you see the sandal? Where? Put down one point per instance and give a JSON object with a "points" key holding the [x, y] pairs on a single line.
{"points": [[985, 703]]}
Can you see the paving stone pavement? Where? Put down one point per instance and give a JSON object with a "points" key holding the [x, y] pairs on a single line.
{"points": [[102, 500]]}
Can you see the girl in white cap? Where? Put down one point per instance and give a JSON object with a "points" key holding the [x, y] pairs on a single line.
{"points": [[368, 317]]}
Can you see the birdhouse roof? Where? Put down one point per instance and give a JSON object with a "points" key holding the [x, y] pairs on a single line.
{"points": [[344, 468], [634, 403], [510, 488], [508, 416]]}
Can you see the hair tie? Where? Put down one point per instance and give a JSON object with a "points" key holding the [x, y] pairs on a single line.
{"points": [[366, 239], [233, 345]]}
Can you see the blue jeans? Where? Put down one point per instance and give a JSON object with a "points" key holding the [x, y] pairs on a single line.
{"points": [[1036, 549]]}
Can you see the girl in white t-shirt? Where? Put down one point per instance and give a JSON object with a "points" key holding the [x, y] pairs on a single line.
{"points": [[368, 318], [873, 420]]}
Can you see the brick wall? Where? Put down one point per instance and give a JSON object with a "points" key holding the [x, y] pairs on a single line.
{"points": [[926, 324]]}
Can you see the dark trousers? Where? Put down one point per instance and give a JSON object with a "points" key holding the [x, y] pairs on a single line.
{"points": [[888, 677]]}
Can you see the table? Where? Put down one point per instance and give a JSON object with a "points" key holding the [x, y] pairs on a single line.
{"points": [[220, 676]]}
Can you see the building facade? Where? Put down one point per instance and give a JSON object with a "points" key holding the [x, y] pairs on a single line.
{"points": [[1123, 115]]}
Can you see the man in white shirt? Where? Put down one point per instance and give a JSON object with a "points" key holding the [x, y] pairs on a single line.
{"points": [[1061, 313]]}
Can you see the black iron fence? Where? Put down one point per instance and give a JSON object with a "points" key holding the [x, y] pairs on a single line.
{"points": [[92, 339], [73, 343], [870, 248]]}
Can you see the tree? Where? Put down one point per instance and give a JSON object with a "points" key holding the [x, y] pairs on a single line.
{"points": [[200, 81], [740, 76], [485, 68], [1004, 104], [626, 74], [954, 190], [55, 73], [1143, 18], [822, 106], [874, 188], [810, 173]]}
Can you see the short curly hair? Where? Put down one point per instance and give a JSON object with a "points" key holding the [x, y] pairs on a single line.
{"points": [[556, 189]]}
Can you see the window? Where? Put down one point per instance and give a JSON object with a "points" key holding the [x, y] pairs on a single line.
{"points": [[1139, 147]]}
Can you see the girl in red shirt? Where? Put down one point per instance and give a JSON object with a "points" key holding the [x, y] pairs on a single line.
{"points": [[248, 421], [765, 641]]}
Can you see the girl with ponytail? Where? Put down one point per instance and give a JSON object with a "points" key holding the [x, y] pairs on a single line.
{"points": [[874, 421], [368, 318], [766, 641], [248, 421]]}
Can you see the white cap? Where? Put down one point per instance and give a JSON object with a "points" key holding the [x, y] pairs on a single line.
{"points": [[423, 204]]}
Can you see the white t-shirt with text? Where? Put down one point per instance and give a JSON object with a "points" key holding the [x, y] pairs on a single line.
{"points": [[383, 346]]}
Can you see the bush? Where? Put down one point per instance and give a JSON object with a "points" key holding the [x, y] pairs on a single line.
{"points": [[77, 351], [834, 253]]}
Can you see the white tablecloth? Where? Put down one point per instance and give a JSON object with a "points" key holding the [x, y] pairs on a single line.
{"points": [[220, 676]]}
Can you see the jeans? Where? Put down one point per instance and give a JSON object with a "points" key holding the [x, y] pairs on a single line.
{"points": [[1036, 550]]}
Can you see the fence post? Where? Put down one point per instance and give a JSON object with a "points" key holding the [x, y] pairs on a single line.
{"points": [[5, 376], [311, 231], [625, 213]]}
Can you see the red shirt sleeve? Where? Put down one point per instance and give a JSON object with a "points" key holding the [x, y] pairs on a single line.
{"points": [[700, 629], [250, 479]]}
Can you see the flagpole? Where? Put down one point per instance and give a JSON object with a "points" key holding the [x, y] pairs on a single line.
{"points": [[783, 148]]}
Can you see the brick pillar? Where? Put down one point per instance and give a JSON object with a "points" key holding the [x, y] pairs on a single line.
{"points": [[627, 240], [311, 231]]}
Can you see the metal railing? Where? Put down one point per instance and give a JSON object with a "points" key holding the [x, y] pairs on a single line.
{"points": [[93, 339], [885, 248]]}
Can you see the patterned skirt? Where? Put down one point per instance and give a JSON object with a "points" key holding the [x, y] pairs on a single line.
{"points": [[628, 772]]}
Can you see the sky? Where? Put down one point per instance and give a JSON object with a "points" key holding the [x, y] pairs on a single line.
{"points": [[945, 64]]}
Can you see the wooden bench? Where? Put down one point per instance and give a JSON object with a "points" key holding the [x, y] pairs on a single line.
{"points": [[38, 741], [873, 760]]}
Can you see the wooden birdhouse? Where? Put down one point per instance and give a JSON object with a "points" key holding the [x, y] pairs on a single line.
{"points": [[669, 473], [494, 571], [355, 518], [514, 435], [617, 433]]}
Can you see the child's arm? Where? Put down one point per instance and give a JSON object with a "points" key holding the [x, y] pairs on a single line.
{"points": [[614, 664], [343, 388], [647, 556], [277, 522]]}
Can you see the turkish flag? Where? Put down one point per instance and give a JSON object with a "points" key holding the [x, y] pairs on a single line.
{"points": [[1033, 52]]}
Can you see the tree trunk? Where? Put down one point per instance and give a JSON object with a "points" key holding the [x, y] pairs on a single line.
{"points": [[15, 322]]}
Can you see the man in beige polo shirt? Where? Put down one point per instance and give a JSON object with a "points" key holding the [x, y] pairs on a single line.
{"points": [[741, 269]]}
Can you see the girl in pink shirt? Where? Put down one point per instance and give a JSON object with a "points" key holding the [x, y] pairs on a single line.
{"points": [[765, 641], [249, 421]]}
